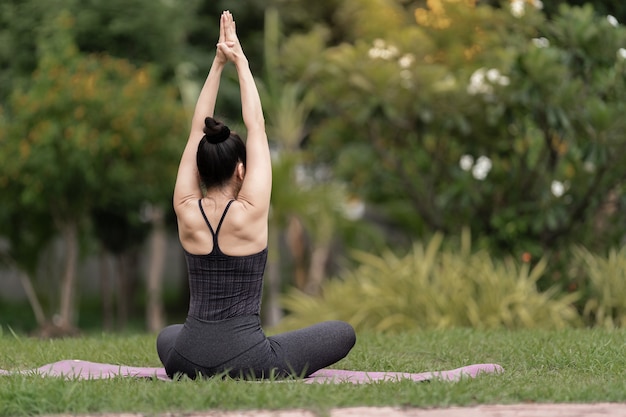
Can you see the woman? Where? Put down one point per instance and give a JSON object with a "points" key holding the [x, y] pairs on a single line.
{"points": [[223, 232]]}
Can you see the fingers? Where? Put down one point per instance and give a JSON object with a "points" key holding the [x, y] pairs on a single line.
{"points": [[222, 27], [229, 26], [226, 19], [229, 17], [228, 44]]}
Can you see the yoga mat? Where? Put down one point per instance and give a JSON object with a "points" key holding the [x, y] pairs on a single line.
{"points": [[79, 369]]}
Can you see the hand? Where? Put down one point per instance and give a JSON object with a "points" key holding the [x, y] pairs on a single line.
{"points": [[229, 45], [219, 55]]}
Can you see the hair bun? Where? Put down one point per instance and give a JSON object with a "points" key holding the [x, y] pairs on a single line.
{"points": [[214, 131]]}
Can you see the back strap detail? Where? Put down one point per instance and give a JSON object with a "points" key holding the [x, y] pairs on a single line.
{"points": [[205, 218], [219, 226]]}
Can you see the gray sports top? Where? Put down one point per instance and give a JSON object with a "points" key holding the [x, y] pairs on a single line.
{"points": [[223, 286]]}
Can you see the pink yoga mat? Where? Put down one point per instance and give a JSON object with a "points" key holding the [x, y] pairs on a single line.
{"points": [[78, 369]]}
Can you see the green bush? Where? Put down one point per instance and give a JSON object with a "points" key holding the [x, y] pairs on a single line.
{"points": [[432, 287], [605, 278]]}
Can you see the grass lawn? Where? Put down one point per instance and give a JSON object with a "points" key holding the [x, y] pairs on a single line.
{"points": [[540, 366]]}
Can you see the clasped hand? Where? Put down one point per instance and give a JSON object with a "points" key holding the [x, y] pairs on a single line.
{"points": [[228, 46]]}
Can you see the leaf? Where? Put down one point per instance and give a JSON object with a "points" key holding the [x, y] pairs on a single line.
{"points": [[431, 287]]}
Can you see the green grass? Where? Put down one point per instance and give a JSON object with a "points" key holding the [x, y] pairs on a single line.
{"points": [[540, 366]]}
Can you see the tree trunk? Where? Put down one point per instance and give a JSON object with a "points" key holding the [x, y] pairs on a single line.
{"points": [[322, 242], [122, 291], [297, 246], [33, 300], [106, 292], [31, 295], [317, 269], [127, 280], [29, 290], [272, 311], [158, 245], [69, 233]]}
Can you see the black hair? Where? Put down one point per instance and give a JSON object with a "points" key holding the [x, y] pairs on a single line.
{"points": [[219, 152]]}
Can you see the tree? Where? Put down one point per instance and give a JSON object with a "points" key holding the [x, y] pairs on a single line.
{"points": [[471, 115], [615, 8], [89, 132], [141, 31]]}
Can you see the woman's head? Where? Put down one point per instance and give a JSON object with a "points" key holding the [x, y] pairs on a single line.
{"points": [[219, 153]]}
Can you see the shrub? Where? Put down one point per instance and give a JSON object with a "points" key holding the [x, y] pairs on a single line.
{"points": [[435, 288], [606, 284]]}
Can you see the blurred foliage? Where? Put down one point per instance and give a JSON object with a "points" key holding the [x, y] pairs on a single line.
{"points": [[141, 31], [435, 287], [89, 130], [477, 116], [605, 278], [437, 114], [89, 133], [616, 8]]}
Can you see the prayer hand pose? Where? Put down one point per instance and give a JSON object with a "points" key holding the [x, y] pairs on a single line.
{"points": [[228, 44], [222, 200]]}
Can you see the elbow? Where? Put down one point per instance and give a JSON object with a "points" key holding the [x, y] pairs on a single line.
{"points": [[256, 123]]}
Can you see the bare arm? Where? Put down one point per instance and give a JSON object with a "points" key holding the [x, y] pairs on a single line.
{"points": [[257, 185], [187, 186]]}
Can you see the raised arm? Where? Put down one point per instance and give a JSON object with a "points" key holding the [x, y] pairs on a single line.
{"points": [[187, 186], [257, 185]]}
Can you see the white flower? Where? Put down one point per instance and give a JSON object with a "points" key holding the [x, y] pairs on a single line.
{"points": [[541, 42], [481, 168], [517, 8], [406, 60], [482, 80], [466, 162], [493, 75], [557, 188], [621, 53], [477, 84], [373, 53], [381, 50], [353, 208], [612, 21]]}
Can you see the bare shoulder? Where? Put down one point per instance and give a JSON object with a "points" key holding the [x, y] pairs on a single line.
{"points": [[243, 215], [187, 211], [192, 229], [245, 229]]}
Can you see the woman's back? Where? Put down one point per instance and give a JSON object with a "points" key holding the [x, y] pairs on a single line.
{"points": [[243, 232], [222, 285]]}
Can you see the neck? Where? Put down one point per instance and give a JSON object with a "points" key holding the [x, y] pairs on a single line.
{"points": [[221, 194]]}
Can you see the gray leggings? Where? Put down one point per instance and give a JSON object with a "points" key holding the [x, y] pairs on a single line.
{"points": [[238, 348]]}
